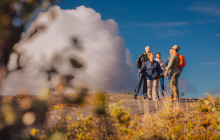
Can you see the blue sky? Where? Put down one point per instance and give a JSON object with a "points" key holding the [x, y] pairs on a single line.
{"points": [[194, 25]]}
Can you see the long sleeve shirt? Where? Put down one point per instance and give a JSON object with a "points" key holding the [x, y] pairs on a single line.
{"points": [[151, 70], [166, 64], [162, 66], [173, 65], [141, 59]]}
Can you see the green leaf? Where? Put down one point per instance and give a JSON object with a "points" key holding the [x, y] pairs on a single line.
{"points": [[75, 63]]}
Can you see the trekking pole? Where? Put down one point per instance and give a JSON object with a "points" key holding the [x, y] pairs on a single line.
{"points": [[165, 84], [158, 78], [165, 94]]}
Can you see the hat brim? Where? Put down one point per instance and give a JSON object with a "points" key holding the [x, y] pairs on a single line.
{"points": [[175, 48]]}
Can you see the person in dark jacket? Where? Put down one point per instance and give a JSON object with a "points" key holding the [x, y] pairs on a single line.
{"points": [[140, 60], [152, 71]]}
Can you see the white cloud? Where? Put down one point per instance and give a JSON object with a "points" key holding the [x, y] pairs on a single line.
{"points": [[210, 63], [107, 64], [206, 8], [160, 24], [217, 34], [207, 21], [171, 33]]}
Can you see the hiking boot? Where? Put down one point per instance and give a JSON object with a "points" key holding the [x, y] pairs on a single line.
{"points": [[149, 98], [145, 97], [163, 98], [164, 94], [171, 99], [135, 97]]}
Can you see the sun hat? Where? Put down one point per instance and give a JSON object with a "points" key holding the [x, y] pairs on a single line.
{"points": [[176, 47]]}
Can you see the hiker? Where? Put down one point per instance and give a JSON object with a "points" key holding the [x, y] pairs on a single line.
{"points": [[152, 72], [161, 77], [174, 71], [166, 64], [140, 60]]}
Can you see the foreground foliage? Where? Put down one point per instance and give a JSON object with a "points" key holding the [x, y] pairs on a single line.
{"points": [[198, 120]]}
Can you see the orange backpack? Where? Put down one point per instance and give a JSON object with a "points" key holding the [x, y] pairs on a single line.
{"points": [[182, 61]]}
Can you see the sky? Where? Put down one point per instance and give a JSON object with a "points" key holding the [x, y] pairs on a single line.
{"points": [[193, 25], [114, 33]]}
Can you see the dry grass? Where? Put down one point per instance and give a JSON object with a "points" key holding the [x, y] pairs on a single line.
{"points": [[110, 120]]}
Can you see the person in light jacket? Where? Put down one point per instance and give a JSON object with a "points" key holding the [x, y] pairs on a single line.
{"points": [[166, 64], [152, 71], [174, 71], [161, 77]]}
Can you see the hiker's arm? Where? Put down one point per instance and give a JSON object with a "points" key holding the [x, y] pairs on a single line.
{"points": [[143, 68], [170, 64], [167, 62], [163, 66], [138, 62], [159, 70]]}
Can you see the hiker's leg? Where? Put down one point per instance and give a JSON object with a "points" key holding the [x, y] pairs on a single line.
{"points": [[149, 88], [174, 88], [155, 88], [171, 86], [144, 85], [165, 85], [140, 78], [145, 88], [162, 85]]}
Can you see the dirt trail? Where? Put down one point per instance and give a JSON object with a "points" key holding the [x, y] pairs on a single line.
{"points": [[139, 107]]}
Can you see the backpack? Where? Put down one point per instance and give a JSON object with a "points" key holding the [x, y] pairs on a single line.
{"points": [[182, 61]]}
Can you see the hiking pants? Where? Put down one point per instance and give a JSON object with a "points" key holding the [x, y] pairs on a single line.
{"points": [[140, 79], [174, 92], [153, 83], [161, 82]]}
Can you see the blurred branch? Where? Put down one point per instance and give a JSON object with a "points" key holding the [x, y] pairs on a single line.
{"points": [[14, 14]]}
